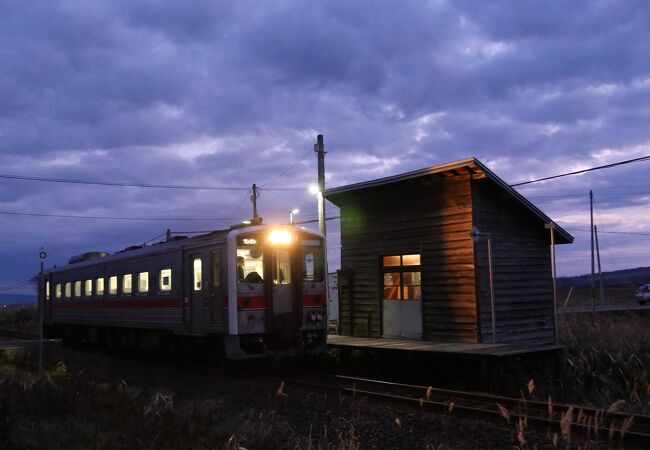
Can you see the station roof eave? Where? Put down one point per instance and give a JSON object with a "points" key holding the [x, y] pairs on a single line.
{"points": [[467, 166]]}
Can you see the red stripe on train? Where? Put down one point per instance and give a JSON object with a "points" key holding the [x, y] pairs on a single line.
{"points": [[254, 302], [134, 303], [311, 300]]}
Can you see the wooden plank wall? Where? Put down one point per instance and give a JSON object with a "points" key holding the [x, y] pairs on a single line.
{"points": [[431, 216], [522, 269]]}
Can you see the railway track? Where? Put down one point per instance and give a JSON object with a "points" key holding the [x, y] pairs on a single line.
{"points": [[17, 334], [564, 419]]}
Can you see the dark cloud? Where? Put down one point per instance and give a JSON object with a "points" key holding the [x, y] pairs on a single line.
{"points": [[234, 94]]}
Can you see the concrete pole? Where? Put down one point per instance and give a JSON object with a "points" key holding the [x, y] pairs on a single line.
{"points": [[41, 310], [494, 317], [254, 200], [593, 269], [554, 274], [600, 275], [319, 148]]}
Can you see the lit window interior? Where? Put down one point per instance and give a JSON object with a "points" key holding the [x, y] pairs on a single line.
{"points": [[282, 267], [112, 285], [250, 265], [77, 288], [166, 280], [99, 286], [68, 290], [47, 290], [88, 288], [57, 292], [143, 282], [127, 283], [198, 273]]}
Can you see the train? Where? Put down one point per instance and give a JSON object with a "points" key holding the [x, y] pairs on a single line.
{"points": [[245, 292]]}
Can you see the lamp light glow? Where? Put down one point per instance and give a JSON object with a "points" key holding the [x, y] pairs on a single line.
{"points": [[280, 237]]}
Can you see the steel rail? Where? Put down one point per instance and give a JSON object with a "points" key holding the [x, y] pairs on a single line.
{"points": [[485, 408]]}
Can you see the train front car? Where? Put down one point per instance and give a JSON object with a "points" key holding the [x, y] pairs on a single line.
{"points": [[278, 304]]}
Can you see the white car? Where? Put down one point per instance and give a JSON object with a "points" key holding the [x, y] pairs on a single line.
{"points": [[643, 294]]}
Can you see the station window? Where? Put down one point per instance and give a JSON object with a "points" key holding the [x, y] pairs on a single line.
{"points": [[127, 284], [197, 266], [250, 265], [88, 288], [99, 287], [57, 291], [143, 282], [68, 290], [165, 280], [112, 285], [47, 290], [77, 288], [402, 277]]}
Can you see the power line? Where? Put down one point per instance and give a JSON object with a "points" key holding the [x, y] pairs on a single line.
{"points": [[287, 170], [138, 185], [631, 233], [606, 166]]}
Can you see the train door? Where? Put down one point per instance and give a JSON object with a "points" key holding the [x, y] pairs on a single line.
{"points": [[283, 298], [218, 294], [196, 291]]}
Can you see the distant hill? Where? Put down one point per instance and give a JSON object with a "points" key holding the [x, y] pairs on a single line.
{"points": [[626, 277], [16, 299]]}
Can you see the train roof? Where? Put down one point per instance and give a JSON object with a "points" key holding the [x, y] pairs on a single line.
{"points": [[163, 247]]}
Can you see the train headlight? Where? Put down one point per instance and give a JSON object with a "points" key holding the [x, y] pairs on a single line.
{"points": [[319, 317], [312, 317], [280, 237]]}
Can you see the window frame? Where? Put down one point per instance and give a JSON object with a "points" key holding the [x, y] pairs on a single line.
{"points": [[123, 284], [117, 286], [103, 284], [401, 269], [140, 290], [86, 293], [160, 281]]}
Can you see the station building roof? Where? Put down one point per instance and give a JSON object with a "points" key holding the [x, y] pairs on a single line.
{"points": [[469, 166]]}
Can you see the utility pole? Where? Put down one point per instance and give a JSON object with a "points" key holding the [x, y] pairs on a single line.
{"points": [[600, 275], [593, 269], [254, 195], [42, 294], [319, 148], [551, 226]]}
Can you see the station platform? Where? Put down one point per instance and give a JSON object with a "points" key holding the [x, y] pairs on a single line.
{"points": [[439, 348]]}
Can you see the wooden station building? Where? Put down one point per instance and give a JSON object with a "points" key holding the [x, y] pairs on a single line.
{"points": [[410, 267]]}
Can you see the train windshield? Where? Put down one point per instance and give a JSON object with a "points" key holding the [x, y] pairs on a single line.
{"points": [[313, 264], [250, 261]]}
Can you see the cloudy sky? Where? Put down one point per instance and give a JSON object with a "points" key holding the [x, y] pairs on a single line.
{"points": [[230, 94]]}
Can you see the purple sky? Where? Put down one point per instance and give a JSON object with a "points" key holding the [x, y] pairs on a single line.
{"points": [[230, 95]]}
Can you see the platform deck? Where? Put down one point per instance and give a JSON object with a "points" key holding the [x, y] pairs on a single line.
{"points": [[440, 348]]}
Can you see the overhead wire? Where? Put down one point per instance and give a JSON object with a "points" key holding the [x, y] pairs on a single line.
{"points": [[576, 172]]}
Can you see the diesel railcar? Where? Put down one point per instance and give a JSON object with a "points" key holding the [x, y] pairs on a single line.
{"points": [[247, 292]]}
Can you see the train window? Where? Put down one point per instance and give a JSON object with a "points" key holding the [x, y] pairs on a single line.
{"points": [[143, 282], [57, 291], [99, 287], [112, 285], [250, 265], [165, 280], [47, 290], [88, 288], [68, 290], [127, 284], [77, 288], [197, 266], [282, 267], [402, 277], [313, 265]]}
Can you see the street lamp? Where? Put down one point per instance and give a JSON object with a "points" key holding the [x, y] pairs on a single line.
{"points": [[291, 213], [476, 237]]}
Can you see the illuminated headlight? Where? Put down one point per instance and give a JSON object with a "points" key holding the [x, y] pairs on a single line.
{"points": [[280, 237]]}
